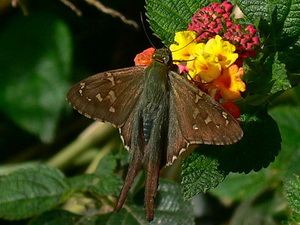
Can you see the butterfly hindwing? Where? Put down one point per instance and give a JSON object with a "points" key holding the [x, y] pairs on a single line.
{"points": [[105, 96], [196, 118]]}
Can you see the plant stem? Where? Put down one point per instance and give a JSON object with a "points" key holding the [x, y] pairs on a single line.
{"points": [[93, 165], [90, 136]]}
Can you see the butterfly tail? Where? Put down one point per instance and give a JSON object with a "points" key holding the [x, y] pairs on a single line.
{"points": [[152, 165], [134, 167]]}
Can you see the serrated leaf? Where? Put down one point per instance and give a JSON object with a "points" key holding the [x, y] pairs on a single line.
{"points": [[270, 78], [199, 174], [30, 191], [295, 219], [259, 146], [279, 14], [257, 149], [35, 62], [171, 209], [167, 17], [292, 190], [291, 25], [279, 80]]}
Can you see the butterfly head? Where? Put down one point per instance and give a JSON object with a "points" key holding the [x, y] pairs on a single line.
{"points": [[163, 55]]}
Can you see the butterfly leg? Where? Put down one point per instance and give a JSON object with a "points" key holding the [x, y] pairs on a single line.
{"points": [[136, 160], [134, 167]]}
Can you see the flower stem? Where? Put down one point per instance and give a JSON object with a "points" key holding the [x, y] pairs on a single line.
{"points": [[90, 136]]}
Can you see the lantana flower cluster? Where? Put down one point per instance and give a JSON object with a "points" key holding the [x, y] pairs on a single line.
{"points": [[211, 53], [215, 20]]}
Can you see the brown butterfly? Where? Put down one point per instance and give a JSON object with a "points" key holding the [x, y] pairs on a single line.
{"points": [[159, 113]]}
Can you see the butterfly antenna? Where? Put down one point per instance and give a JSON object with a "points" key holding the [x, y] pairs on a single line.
{"points": [[191, 41], [144, 28]]}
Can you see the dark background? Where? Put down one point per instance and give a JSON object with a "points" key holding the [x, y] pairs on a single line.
{"points": [[100, 42]]}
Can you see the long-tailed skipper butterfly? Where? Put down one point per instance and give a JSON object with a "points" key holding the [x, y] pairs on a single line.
{"points": [[159, 113]]}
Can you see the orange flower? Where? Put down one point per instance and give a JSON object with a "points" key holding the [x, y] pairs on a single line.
{"points": [[232, 108], [230, 83], [144, 58]]}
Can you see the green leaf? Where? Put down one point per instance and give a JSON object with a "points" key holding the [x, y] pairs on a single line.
{"points": [[62, 217], [171, 209], [237, 187], [30, 191], [279, 76], [199, 174], [281, 16], [259, 209], [56, 217], [292, 189], [259, 146], [82, 182], [103, 182], [106, 166], [8, 168], [268, 78], [168, 17], [288, 119], [109, 183], [295, 219], [209, 165], [35, 63]]}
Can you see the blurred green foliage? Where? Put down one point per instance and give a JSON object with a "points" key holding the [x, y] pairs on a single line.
{"points": [[48, 175]]}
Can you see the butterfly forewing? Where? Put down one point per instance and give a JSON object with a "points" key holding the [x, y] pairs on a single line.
{"points": [[106, 96], [197, 119], [157, 117]]}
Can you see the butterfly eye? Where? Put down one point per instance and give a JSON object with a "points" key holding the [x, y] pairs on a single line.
{"points": [[166, 59]]}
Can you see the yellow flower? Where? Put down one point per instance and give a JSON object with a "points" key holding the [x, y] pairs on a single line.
{"points": [[204, 61], [223, 50], [184, 49], [204, 68], [230, 83]]}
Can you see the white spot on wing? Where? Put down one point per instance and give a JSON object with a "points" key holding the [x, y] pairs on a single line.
{"points": [[111, 79], [197, 98], [207, 120], [87, 115], [182, 150], [122, 138], [174, 158], [112, 96], [224, 114], [112, 109], [195, 127], [195, 113], [98, 96], [82, 85]]}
